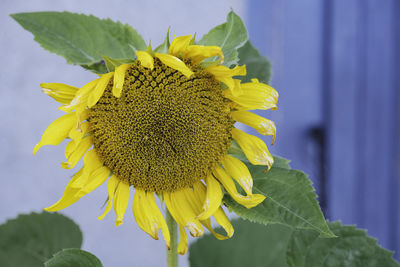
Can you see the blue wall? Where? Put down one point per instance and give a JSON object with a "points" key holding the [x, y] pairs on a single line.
{"points": [[336, 67]]}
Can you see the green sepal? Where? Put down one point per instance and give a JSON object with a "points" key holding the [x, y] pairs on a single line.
{"points": [[164, 47], [112, 63], [193, 40], [96, 67], [150, 50]]}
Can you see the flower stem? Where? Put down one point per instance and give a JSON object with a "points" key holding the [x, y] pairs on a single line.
{"points": [[172, 253]]}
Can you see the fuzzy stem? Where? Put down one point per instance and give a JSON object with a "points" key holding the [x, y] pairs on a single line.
{"points": [[172, 253]]}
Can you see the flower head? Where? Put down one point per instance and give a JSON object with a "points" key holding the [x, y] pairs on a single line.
{"points": [[163, 125]]}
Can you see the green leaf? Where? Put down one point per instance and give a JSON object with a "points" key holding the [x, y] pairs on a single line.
{"points": [[257, 65], [112, 63], [230, 36], [280, 162], [352, 247], [290, 200], [97, 67], [73, 257], [29, 240], [251, 245], [79, 38], [164, 47]]}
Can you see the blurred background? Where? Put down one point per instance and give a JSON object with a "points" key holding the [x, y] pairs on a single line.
{"points": [[335, 64]]}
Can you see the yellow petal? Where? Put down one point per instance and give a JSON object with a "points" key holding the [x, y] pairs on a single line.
{"points": [[217, 211], [59, 89], [61, 99], [81, 96], [212, 197], [121, 201], [111, 187], [248, 201], [57, 131], [195, 200], [60, 92], [119, 78], [253, 147], [222, 219], [175, 63], [148, 216], [75, 155], [198, 53], [221, 71], [179, 44], [237, 89], [146, 60], [238, 171], [91, 162], [98, 90], [181, 210], [207, 224], [84, 127], [183, 242], [96, 178], [225, 75], [77, 134], [255, 95], [261, 124], [70, 147], [139, 209], [68, 197], [83, 115]]}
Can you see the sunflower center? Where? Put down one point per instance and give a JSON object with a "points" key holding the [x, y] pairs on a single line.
{"points": [[166, 131]]}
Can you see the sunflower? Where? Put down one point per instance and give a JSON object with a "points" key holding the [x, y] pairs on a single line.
{"points": [[162, 125]]}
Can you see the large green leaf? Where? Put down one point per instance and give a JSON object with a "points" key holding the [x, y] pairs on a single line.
{"points": [[251, 245], [73, 257], [29, 240], [277, 245], [281, 163], [290, 199], [81, 39], [257, 65], [351, 248], [230, 36]]}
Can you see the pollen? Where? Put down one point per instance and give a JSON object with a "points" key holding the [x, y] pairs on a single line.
{"points": [[166, 131]]}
